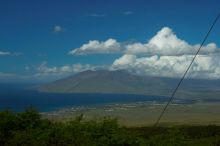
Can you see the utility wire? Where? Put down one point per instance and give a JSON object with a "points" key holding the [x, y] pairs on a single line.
{"points": [[184, 75]]}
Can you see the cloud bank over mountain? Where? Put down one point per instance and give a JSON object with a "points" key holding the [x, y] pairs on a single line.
{"points": [[164, 55], [205, 66], [44, 70]]}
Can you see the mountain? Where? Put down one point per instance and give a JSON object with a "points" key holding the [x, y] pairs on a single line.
{"points": [[122, 81], [104, 81]]}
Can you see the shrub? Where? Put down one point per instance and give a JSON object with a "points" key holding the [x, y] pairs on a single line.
{"points": [[29, 129]]}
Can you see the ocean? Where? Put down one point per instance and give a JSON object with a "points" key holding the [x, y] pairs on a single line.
{"points": [[18, 98]]}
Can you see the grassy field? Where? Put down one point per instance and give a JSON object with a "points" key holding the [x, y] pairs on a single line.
{"points": [[145, 113], [29, 129]]}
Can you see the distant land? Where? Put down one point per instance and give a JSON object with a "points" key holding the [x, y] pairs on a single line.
{"points": [[122, 81]]}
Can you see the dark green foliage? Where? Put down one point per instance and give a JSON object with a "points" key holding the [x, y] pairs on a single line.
{"points": [[29, 129], [30, 119], [7, 125]]}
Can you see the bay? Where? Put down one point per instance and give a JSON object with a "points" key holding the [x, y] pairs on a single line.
{"points": [[18, 98]]}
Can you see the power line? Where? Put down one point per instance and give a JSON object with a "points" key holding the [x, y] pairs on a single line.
{"points": [[184, 75]]}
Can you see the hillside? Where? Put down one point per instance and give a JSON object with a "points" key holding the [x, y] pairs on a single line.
{"points": [[103, 81], [122, 81]]}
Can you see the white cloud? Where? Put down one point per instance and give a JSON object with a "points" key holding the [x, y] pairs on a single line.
{"points": [[2, 53], [43, 69], [165, 55], [92, 47], [128, 12], [57, 29], [205, 66], [165, 42], [124, 62], [97, 15]]}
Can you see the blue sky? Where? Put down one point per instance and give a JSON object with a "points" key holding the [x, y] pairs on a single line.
{"points": [[41, 33]]}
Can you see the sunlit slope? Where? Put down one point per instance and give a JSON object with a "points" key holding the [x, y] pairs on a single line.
{"points": [[122, 81], [104, 81]]}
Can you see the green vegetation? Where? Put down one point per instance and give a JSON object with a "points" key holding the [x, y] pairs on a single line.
{"points": [[29, 129]]}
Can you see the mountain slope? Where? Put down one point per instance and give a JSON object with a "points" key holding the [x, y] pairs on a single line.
{"points": [[121, 81], [103, 81]]}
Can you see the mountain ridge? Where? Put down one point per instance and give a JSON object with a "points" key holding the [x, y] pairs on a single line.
{"points": [[102, 81], [124, 82]]}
